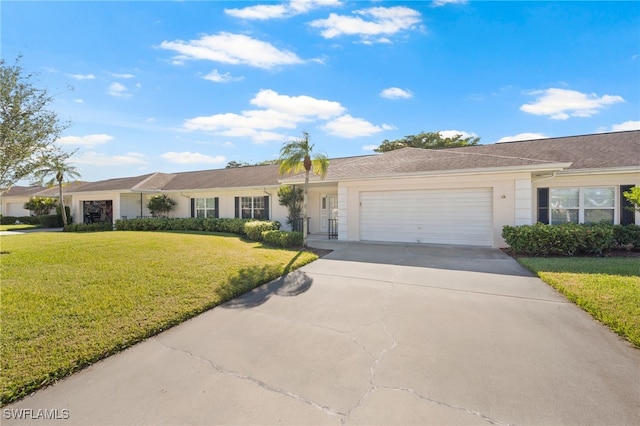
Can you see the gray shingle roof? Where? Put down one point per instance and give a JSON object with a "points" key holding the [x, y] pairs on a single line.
{"points": [[606, 150]]}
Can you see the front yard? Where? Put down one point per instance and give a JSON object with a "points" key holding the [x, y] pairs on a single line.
{"points": [[606, 287], [70, 299]]}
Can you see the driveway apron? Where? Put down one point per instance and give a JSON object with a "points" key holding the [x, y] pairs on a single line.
{"points": [[369, 334]]}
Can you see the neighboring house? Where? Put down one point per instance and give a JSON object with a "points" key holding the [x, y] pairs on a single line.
{"points": [[12, 201], [447, 196]]}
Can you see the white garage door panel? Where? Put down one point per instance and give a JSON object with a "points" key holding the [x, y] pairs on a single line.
{"points": [[437, 216]]}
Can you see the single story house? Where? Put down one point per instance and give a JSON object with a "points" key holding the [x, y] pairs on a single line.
{"points": [[446, 196]]}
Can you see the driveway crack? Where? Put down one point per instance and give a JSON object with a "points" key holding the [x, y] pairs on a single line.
{"points": [[260, 383]]}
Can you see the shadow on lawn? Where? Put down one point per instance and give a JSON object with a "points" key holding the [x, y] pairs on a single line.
{"points": [[290, 283]]}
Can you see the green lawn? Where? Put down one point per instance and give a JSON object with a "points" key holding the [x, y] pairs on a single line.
{"points": [[70, 299], [17, 227], [607, 288]]}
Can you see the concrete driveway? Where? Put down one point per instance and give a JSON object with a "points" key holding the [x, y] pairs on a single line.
{"points": [[370, 334]]}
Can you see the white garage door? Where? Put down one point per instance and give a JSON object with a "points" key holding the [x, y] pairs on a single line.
{"points": [[458, 216]]}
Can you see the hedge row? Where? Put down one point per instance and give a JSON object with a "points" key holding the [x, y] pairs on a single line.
{"points": [[570, 239], [89, 227], [46, 221], [257, 230], [232, 226]]}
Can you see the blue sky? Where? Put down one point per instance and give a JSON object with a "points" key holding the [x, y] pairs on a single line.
{"points": [[191, 85]]}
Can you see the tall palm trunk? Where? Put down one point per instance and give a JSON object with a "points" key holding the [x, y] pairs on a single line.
{"points": [[63, 211], [305, 224]]}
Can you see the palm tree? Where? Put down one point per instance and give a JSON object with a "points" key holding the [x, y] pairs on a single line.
{"points": [[59, 170], [297, 155]]}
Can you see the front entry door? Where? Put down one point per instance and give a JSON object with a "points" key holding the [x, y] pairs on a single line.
{"points": [[328, 210]]}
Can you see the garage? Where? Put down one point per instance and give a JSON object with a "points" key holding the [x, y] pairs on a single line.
{"points": [[446, 216]]}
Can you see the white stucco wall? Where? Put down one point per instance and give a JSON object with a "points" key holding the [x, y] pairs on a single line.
{"points": [[511, 202]]}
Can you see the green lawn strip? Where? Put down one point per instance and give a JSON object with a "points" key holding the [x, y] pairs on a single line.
{"points": [[607, 288], [17, 227], [70, 299]]}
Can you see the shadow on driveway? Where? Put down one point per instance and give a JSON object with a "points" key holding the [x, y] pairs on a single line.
{"points": [[291, 284], [448, 257]]}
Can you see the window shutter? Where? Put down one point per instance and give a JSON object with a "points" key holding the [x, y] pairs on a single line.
{"points": [[627, 216], [193, 207], [266, 207], [217, 207], [237, 203], [543, 205]]}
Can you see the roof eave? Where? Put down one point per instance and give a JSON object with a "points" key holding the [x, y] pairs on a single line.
{"points": [[531, 168]]}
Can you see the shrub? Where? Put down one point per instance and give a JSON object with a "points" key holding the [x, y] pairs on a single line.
{"points": [[282, 238], [255, 228], [160, 205], [626, 236], [91, 227], [565, 239], [50, 221], [8, 220], [30, 220], [231, 226]]}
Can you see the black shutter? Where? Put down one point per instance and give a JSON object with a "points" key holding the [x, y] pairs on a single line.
{"points": [[237, 201], [627, 215], [543, 205], [266, 207], [193, 207], [217, 206]]}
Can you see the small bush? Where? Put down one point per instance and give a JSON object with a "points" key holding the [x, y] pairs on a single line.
{"points": [[91, 227], [50, 221], [30, 220], [282, 238], [626, 236], [8, 220], [255, 228], [568, 239]]}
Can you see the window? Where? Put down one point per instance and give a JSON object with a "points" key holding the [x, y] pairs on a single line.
{"points": [[582, 205], [205, 207], [252, 207]]}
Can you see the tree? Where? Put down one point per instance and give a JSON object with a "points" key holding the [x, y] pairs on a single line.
{"points": [[60, 172], [291, 197], [633, 196], [40, 205], [160, 205], [298, 155], [27, 128], [427, 140]]}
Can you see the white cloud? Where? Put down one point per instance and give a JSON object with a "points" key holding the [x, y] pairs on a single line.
{"points": [[522, 137], [187, 157], [349, 127], [82, 76], [627, 125], [79, 101], [87, 140], [216, 77], [396, 93], [280, 111], [371, 25], [278, 11], [369, 147], [235, 49], [100, 160], [123, 76], [119, 90], [453, 133], [437, 3], [297, 105], [560, 104]]}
